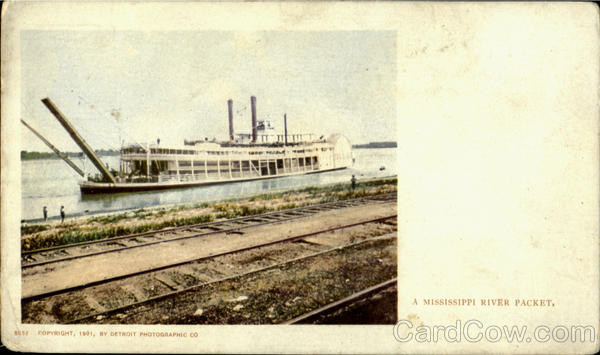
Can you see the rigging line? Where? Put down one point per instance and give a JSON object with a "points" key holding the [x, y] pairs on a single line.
{"points": [[93, 107], [95, 137], [81, 128], [32, 118], [117, 124], [101, 115], [82, 156]]}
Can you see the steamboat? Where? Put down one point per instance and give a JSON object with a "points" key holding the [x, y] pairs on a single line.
{"points": [[261, 154]]}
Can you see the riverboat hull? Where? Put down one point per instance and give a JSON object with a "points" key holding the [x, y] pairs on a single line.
{"points": [[89, 187]]}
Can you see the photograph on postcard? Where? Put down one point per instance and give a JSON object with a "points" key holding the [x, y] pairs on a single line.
{"points": [[208, 177], [300, 177]]}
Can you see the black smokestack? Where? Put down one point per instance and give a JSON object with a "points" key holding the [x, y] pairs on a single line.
{"points": [[285, 126], [230, 107], [253, 103]]}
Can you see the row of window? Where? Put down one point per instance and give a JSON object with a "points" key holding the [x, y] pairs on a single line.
{"points": [[194, 152]]}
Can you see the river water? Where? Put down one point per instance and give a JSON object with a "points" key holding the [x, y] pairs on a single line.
{"points": [[52, 183]]}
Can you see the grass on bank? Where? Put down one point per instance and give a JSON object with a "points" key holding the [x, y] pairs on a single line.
{"points": [[79, 236]]}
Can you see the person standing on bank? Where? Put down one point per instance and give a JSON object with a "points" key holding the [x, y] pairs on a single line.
{"points": [[353, 181], [62, 214], [45, 213]]}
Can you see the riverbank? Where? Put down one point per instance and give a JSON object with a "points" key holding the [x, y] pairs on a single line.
{"points": [[86, 228]]}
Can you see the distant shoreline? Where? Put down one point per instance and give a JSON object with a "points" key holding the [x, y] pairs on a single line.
{"points": [[373, 145], [25, 155]]}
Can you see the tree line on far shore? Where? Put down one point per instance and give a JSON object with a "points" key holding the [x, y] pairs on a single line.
{"points": [[25, 155], [390, 144]]}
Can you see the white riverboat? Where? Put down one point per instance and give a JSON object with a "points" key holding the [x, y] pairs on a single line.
{"points": [[262, 154]]}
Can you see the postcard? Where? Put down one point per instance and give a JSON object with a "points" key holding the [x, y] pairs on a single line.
{"points": [[300, 177]]}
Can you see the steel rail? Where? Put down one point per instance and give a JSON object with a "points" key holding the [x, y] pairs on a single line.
{"points": [[164, 267], [207, 225], [228, 278], [332, 307]]}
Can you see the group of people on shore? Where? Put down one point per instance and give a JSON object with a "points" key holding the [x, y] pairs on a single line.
{"points": [[62, 213]]}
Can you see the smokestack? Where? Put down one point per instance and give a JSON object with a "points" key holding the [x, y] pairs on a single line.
{"points": [[230, 107], [253, 102], [285, 126]]}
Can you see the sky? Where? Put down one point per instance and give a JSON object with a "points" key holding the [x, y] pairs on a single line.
{"points": [[137, 86]]}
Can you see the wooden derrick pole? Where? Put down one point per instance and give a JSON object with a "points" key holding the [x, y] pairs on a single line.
{"points": [[58, 152], [79, 140]]}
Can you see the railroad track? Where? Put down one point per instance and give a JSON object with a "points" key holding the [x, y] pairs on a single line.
{"points": [[172, 280], [51, 255], [328, 309]]}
